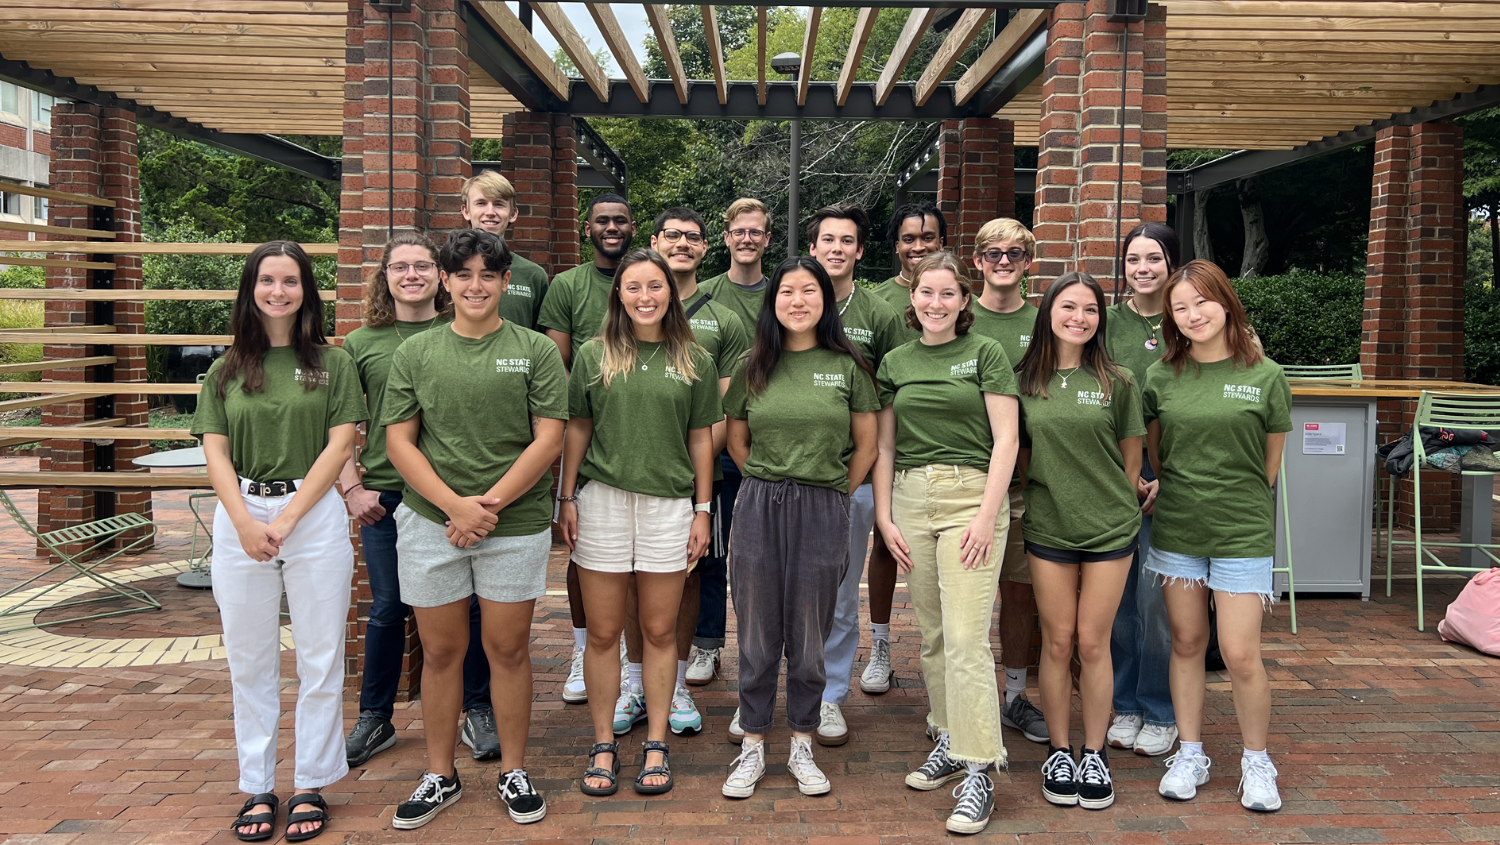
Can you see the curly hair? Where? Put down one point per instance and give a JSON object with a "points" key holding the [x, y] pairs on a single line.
{"points": [[380, 307]]}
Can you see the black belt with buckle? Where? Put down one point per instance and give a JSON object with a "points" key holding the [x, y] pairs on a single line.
{"points": [[272, 488]]}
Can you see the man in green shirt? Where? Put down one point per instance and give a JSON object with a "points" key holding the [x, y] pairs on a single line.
{"points": [[1002, 253], [917, 230], [490, 204], [747, 233]]}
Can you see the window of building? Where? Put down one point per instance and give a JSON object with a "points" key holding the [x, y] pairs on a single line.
{"points": [[10, 100], [42, 209], [41, 110], [10, 204]]}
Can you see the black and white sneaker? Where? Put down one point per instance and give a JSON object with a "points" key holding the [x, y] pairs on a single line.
{"points": [[1060, 778], [372, 734], [1095, 788], [479, 733], [976, 800], [938, 770], [524, 803], [434, 793]]}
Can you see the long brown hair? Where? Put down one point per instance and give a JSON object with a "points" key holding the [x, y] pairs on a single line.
{"points": [[251, 343], [380, 307], [765, 350], [1213, 285], [617, 334], [1039, 363]]}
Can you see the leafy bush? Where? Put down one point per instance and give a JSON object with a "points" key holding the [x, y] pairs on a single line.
{"points": [[23, 277], [1306, 318], [1481, 332]]}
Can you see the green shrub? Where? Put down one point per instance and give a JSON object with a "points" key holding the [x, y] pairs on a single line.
{"points": [[1481, 333], [23, 277], [1306, 318]]}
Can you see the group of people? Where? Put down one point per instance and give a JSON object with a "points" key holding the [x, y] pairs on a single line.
{"points": [[1104, 469]]}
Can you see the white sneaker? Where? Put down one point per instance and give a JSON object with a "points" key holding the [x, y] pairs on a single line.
{"points": [[1258, 785], [832, 730], [810, 779], [1123, 731], [1185, 773], [736, 733], [877, 675], [750, 767], [703, 666], [574, 691], [1155, 740]]}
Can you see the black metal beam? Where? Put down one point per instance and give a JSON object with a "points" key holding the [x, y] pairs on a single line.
{"points": [[491, 53], [267, 148], [781, 102], [926, 183], [1013, 77], [605, 161]]}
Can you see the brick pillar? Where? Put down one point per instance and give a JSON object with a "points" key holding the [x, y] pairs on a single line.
{"points": [[1081, 189], [539, 155], [94, 153], [406, 155], [976, 177], [1413, 325]]}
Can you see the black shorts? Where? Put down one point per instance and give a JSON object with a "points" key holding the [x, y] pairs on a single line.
{"points": [[1076, 556]]}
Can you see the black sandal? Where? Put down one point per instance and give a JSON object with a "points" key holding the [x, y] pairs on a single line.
{"points": [[665, 768], [245, 819], [319, 814], [610, 774]]}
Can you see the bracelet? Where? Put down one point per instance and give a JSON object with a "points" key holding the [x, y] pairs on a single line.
{"points": [[572, 498], [352, 486]]}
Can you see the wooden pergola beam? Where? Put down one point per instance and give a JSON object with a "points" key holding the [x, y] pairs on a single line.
{"points": [[662, 27], [715, 52], [1000, 51], [149, 248], [619, 46], [760, 62], [864, 24], [573, 44], [958, 40], [916, 24], [504, 21], [809, 44]]}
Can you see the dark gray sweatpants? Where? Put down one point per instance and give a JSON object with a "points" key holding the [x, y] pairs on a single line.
{"points": [[788, 551]]}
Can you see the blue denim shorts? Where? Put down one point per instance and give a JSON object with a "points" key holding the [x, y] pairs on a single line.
{"points": [[1233, 575]]}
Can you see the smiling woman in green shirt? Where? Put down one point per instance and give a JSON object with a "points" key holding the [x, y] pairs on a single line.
{"points": [[1080, 455], [277, 416]]}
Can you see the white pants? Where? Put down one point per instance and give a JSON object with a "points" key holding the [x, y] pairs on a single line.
{"points": [[315, 568]]}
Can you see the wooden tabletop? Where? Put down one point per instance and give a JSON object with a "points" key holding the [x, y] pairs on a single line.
{"points": [[1383, 388]]}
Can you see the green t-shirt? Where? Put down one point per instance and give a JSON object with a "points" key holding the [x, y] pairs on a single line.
{"points": [[799, 424], [642, 419], [522, 302], [870, 324], [898, 296], [1013, 330], [1077, 494], [577, 302], [1126, 340], [718, 330], [278, 432], [474, 422], [1215, 499], [938, 393], [372, 349], [744, 302]]}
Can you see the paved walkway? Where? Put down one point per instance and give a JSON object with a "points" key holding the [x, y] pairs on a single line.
{"points": [[1382, 734]]}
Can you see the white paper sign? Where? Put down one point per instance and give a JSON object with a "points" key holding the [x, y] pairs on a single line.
{"points": [[1323, 438]]}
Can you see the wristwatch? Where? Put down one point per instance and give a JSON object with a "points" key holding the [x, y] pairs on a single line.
{"points": [[703, 507]]}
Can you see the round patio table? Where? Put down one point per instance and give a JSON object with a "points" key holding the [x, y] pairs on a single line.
{"points": [[197, 577]]}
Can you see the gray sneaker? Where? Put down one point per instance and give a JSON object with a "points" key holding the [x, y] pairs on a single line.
{"points": [[479, 733], [938, 770], [1022, 715]]}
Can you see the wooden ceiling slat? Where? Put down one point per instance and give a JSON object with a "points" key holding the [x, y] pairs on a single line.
{"points": [[917, 23], [958, 40], [510, 29], [667, 42], [336, 8], [556, 21], [1304, 8], [864, 24], [760, 60], [715, 52], [809, 45], [1000, 51], [619, 46]]}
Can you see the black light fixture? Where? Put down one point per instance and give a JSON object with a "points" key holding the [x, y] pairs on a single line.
{"points": [[1126, 11], [391, 7]]}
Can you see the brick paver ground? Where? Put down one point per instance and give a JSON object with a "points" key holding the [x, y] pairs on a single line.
{"points": [[1382, 734]]}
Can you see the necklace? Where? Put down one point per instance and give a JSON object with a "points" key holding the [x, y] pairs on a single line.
{"points": [[1151, 341], [845, 306], [649, 359], [424, 328], [1070, 374]]}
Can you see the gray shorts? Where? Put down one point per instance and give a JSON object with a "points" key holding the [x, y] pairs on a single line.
{"points": [[433, 572]]}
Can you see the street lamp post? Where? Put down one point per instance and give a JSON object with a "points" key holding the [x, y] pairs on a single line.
{"points": [[790, 64]]}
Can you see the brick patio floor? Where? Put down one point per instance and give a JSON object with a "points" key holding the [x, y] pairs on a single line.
{"points": [[1381, 733]]}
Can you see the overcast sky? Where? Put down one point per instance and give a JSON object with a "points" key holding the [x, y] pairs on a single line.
{"points": [[632, 18]]}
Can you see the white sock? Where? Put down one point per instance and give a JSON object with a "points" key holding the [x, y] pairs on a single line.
{"points": [[1015, 683], [975, 768], [1263, 754], [1194, 748], [580, 637], [635, 678], [880, 631], [681, 673]]}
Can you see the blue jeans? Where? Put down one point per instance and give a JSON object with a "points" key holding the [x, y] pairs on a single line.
{"points": [[1141, 642], [843, 639], [713, 569], [385, 633]]}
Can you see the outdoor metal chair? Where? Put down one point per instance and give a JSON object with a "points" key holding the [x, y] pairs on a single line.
{"points": [[1286, 522], [1323, 372], [98, 534]]}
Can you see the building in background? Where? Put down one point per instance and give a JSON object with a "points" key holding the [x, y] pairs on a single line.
{"points": [[25, 153]]}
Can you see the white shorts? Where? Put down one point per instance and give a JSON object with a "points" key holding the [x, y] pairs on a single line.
{"points": [[620, 531]]}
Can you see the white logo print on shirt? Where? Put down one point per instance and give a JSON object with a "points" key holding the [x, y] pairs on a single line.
{"points": [[828, 379], [967, 368], [519, 290], [299, 376], [1242, 391], [1092, 397], [513, 365]]}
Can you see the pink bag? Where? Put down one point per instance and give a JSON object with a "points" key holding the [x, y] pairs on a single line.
{"points": [[1474, 617]]}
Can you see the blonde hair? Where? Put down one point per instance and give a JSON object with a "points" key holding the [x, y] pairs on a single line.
{"points": [[492, 185], [617, 334], [745, 205], [1002, 230]]}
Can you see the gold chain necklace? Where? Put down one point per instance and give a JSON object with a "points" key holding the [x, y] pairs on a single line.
{"points": [[1150, 343], [424, 328], [1070, 374]]}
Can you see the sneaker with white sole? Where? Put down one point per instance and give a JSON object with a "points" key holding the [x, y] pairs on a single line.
{"points": [[574, 692], [938, 770], [876, 678], [431, 797], [749, 768], [630, 710], [1123, 730], [1022, 715], [810, 779], [522, 801], [479, 733], [976, 801], [1060, 778], [1155, 740], [832, 729], [736, 733], [1185, 773], [1258, 785], [703, 666], [684, 719], [1095, 787]]}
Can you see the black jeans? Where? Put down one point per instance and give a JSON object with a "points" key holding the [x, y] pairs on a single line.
{"points": [[385, 633], [790, 548], [713, 570]]}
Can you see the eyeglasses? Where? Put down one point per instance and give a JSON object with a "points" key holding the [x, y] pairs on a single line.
{"points": [[993, 256], [423, 268], [747, 234], [672, 236]]}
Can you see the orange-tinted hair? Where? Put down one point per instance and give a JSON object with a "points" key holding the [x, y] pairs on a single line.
{"points": [[1213, 285]]}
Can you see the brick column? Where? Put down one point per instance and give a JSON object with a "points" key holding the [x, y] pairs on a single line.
{"points": [[406, 155], [1080, 183], [976, 177], [94, 153], [539, 155], [1414, 282]]}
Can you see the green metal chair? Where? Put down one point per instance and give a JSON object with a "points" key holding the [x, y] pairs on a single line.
{"points": [[1319, 372], [99, 533], [1462, 411]]}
